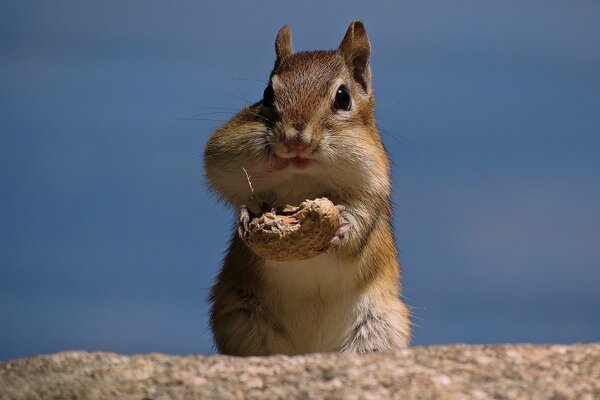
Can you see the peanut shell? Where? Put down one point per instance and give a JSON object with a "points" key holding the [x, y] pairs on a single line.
{"points": [[291, 233]]}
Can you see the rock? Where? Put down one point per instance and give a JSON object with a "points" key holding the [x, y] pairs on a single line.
{"points": [[441, 372]]}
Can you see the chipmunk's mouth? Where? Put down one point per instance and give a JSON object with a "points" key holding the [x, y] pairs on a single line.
{"points": [[280, 163]]}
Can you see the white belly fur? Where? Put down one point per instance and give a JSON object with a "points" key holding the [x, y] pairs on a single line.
{"points": [[315, 300]]}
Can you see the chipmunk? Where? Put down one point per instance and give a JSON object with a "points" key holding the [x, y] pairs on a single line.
{"points": [[313, 134]]}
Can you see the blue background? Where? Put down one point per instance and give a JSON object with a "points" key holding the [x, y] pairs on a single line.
{"points": [[109, 239]]}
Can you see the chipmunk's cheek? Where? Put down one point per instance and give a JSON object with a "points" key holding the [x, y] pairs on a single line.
{"points": [[278, 163]]}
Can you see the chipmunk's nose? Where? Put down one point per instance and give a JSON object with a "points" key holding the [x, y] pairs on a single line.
{"points": [[296, 146], [297, 138]]}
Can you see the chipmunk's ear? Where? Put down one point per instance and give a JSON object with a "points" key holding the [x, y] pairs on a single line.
{"points": [[356, 50], [283, 43]]}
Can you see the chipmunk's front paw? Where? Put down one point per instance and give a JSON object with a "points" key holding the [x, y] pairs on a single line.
{"points": [[343, 229], [244, 222]]}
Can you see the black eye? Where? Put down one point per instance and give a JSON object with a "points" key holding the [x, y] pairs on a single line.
{"points": [[268, 96], [342, 99]]}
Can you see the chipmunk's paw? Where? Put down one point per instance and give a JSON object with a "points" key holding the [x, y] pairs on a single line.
{"points": [[244, 222], [343, 229]]}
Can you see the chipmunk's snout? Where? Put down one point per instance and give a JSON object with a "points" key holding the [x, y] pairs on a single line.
{"points": [[297, 146], [295, 141]]}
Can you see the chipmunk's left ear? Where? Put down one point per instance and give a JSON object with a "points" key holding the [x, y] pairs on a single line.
{"points": [[356, 50], [283, 43]]}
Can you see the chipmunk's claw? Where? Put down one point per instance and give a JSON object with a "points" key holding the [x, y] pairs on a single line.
{"points": [[244, 222], [343, 229]]}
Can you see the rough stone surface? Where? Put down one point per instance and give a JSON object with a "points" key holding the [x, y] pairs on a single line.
{"points": [[444, 372]]}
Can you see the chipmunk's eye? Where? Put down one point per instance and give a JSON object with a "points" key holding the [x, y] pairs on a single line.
{"points": [[342, 99], [268, 96]]}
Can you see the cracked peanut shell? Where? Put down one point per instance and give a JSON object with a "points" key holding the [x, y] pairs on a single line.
{"points": [[291, 233]]}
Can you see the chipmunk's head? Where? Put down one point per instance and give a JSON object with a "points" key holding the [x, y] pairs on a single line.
{"points": [[314, 97], [313, 132]]}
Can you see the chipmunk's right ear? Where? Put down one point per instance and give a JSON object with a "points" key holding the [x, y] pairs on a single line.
{"points": [[356, 50], [283, 43]]}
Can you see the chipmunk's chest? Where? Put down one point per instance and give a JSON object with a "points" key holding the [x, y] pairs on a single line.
{"points": [[327, 271], [314, 300]]}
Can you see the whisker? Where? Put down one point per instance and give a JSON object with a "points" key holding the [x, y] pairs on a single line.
{"points": [[404, 141], [231, 111], [205, 119], [240, 91], [253, 80], [208, 113], [219, 108], [261, 116]]}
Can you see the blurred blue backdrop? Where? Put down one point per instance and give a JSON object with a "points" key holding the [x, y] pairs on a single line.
{"points": [[109, 239]]}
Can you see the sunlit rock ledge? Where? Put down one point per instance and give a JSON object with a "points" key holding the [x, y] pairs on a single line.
{"points": [[440, 372]]}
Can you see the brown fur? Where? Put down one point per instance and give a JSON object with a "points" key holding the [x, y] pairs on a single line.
{"points": [[347, 299]]}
